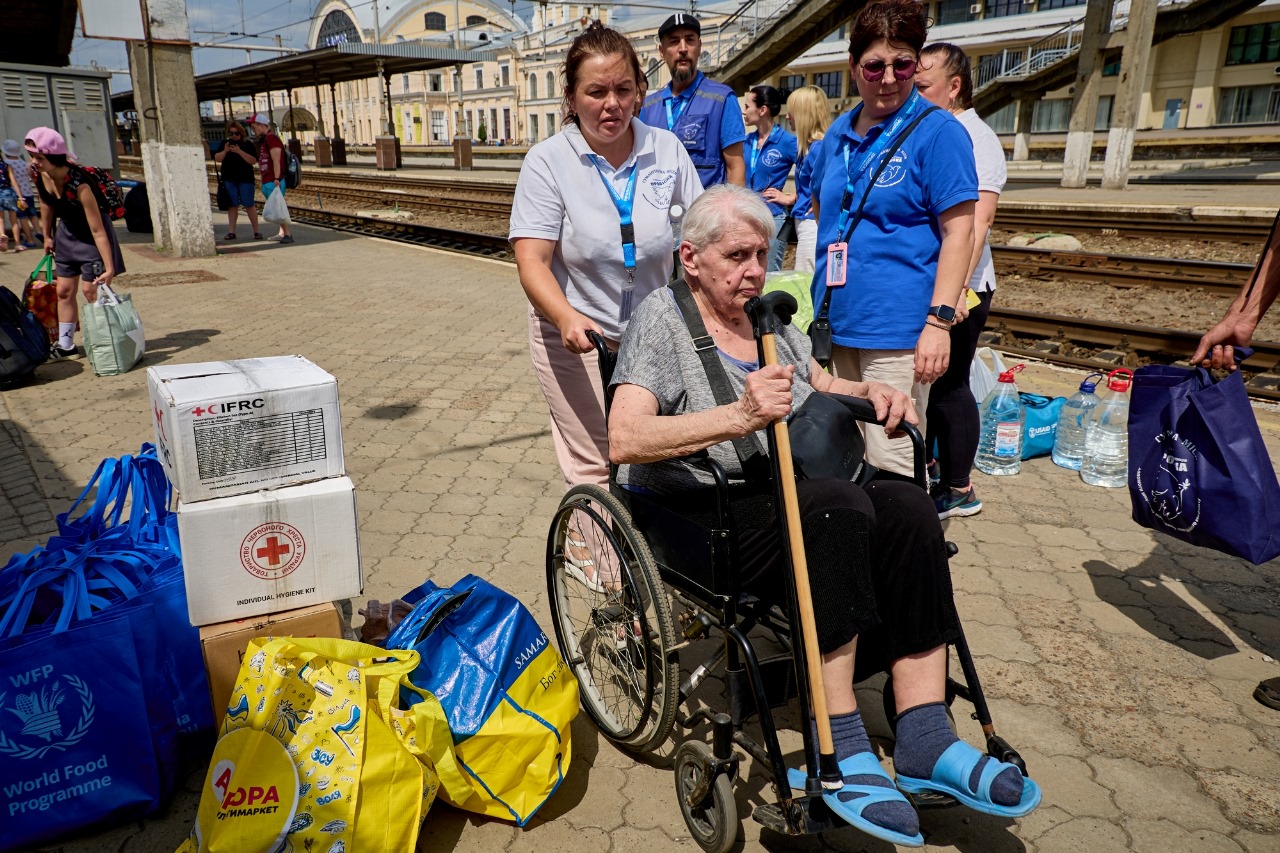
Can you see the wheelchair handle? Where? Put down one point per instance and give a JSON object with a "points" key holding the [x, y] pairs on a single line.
{"points": [[863, 410], [597, 341]]}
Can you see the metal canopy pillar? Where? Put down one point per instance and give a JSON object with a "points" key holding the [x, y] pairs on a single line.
{"points": [[386, 147], [173, 147], [1133, 78], [1084, 102]]}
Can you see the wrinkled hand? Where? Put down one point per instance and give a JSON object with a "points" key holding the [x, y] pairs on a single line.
{"points": [[933, 353], [573, 333], [892, 406], [1217, 348], [766, 398]]}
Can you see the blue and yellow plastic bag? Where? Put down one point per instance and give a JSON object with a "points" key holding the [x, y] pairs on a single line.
{"points": [[506, 692]]}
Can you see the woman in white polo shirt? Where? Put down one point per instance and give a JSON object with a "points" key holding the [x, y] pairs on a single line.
{"points": [[592, 234]]}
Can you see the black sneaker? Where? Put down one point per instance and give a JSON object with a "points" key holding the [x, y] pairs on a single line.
{"points": [[59, 352], [288, 238], [955, 504]]}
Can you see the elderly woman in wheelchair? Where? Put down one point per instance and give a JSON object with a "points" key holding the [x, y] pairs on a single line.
{"points": [[877, 559]]}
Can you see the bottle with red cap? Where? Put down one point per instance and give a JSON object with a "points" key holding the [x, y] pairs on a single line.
{"points": [[1000, 436], [1106, 441]]}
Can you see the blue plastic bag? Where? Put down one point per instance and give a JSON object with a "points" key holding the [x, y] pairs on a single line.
{"points": [[1198, 469], [508, 695], [1041, 425]]}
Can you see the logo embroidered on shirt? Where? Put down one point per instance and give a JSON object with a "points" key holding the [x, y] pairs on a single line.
{"points": [[658, 187]]}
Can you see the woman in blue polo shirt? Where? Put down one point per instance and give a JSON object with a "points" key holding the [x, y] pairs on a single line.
{"points": [[770, 153], [907, 255]]}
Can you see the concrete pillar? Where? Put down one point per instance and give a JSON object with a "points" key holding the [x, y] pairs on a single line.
{"points": [[173, 149], [1133, 80], [1201, 112], [1084, 102], [1022, 129]]}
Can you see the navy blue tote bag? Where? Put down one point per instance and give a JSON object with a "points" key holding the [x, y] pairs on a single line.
{"points": [[1198, 470]]}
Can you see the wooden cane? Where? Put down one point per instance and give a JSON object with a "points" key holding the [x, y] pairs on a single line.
{"points": [[828, 766]]}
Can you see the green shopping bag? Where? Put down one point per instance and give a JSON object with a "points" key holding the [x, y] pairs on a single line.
{"points": [[797, 284], [113, 337]]}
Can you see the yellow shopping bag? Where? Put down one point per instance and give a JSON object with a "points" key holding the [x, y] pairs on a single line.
{"points": [[364, 771]]}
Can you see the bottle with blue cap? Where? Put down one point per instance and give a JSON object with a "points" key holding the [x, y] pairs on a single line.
{"points": [[1068, 445]]}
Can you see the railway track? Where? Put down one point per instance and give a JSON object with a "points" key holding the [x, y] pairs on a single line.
{"points": [[1128, 270], [1178, 223]]}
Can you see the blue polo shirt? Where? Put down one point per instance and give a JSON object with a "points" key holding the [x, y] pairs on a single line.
{"points": [[803, 208], [702, 121], [893, 253], [769, 163]]}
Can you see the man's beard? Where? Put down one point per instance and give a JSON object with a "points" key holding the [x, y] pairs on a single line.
{"points": [[683, 75]]}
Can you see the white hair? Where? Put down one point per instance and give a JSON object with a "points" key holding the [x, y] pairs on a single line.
{"points": [[713, 211]]}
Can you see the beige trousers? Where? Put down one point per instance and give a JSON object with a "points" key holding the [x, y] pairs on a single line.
{"points": [[571, 384], [895, 368]]}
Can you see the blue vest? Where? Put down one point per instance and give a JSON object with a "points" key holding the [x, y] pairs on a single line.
{"points": [[698, 127]]}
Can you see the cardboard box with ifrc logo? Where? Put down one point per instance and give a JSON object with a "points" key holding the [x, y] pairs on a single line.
{"points": [[273, 550], [231, 427], [224, 644]]}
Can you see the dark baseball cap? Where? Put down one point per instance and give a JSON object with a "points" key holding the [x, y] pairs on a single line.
{"points": [[678, 21]]}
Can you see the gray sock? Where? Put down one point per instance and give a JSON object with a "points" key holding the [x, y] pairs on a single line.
{"points": [[850, 738], [923, 735]]}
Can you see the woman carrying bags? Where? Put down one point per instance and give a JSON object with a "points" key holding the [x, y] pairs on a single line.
{"points": [[770, 154], [84, 244]]}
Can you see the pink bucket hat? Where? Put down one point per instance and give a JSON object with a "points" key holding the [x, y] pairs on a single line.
{"points": [[45, 140]]}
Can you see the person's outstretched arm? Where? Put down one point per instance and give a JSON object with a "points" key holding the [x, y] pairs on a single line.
{"points": [[1217, 347]]}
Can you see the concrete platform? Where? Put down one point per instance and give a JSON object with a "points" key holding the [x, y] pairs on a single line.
{"points": [[1120, 662]]}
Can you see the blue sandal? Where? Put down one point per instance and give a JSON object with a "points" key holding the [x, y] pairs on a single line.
{"points": [[951, 777], [862, 764]]}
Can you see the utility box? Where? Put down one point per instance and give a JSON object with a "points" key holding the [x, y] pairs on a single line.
{"points": [[339, 150], [462, 156], [384, 148], [75, 102], [324, 151]]}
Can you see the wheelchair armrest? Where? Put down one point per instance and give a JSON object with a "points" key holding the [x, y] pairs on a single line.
{"points": [[702, 459], [863, 410]]}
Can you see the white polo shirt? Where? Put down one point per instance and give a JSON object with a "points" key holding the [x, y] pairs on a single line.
{"points": [[560, 196], [988, 156]]}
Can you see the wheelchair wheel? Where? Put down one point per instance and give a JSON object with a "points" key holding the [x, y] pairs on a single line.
{"points": [[707, 804], [612, 619]]}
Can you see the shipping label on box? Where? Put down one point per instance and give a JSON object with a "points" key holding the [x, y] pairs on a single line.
{"points": [[232, 427], [224, 644], [248, 555]]}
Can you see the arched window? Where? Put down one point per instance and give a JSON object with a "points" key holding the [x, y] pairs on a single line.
{"points": [[476, 21], [433, 21], [533, 87], [336, 29], [551, 84]]}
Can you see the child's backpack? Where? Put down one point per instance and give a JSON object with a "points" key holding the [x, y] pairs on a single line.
{"points": [[24, 344], [107, 189], [292, 170]]}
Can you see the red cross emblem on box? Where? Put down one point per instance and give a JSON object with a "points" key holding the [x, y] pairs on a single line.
{"points": [[273, 550]]}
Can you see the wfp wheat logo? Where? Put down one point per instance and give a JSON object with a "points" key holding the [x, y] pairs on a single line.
{"points": [[54, 714], [1164, 481]]}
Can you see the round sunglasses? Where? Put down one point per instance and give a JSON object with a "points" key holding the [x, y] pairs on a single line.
{"points": [[873, 71]]}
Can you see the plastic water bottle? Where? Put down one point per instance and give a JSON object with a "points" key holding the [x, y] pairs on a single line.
{"points": [[1000, 438], [1068, 444], [1106, 441]]}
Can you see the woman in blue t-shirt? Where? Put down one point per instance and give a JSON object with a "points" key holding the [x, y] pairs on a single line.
{"points": [[809, 116], [770, 153], [907, 258]]}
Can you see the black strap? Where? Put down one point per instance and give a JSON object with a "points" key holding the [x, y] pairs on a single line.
{"points": [[747, 446], [825, 311]]}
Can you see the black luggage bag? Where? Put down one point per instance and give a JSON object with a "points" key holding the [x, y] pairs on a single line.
{"points": [[24, 343]]}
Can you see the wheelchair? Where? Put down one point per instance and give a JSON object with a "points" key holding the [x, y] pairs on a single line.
{"points": [[615, 628]]}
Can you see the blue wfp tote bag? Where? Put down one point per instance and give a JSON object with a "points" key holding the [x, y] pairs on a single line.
{"points": [[507, 694], [81, 743], [1198, 469]]}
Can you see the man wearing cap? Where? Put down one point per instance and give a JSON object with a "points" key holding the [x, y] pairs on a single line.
{"points": [[270, 164], [693, 107]]}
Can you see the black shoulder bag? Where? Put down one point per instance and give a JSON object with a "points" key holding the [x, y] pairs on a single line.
{"points": [[820, 328], [754, 461]]}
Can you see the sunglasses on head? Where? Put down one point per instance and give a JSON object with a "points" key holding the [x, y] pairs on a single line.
{"points": [[873, 71]]}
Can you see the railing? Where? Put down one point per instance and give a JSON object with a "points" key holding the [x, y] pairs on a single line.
{"points": [[1019, 62], [741, 28]]}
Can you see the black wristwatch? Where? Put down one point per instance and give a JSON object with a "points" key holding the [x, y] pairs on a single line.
{"points": [[945, 313]]}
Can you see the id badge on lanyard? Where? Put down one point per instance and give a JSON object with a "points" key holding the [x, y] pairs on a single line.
{"points": [[625, 206]]}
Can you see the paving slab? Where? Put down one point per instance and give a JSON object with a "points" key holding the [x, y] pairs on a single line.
{"points": [[1119, 661]]}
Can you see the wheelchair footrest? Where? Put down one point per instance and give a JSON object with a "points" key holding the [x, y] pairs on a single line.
{"points": [[804, 815], [931, 800]]}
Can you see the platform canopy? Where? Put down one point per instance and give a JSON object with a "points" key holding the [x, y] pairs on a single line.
{"points": [[336, 64]]}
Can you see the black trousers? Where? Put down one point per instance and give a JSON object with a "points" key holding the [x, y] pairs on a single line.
{"points": [[877, 565], [952, 414]]}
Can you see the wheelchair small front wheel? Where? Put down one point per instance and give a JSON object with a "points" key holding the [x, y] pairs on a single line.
{"points": [[706, 798], [612, 619]]}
